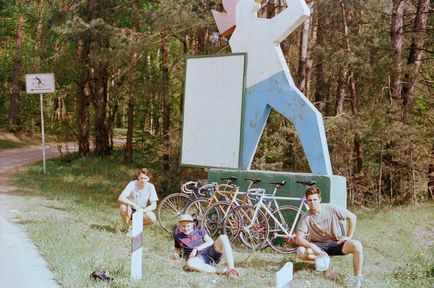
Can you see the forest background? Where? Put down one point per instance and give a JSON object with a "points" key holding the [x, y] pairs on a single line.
{"points": [[119, 67]]}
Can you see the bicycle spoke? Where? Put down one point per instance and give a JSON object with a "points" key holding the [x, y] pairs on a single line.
{"points": [[278, 240], [252, 232], [170, 208]]}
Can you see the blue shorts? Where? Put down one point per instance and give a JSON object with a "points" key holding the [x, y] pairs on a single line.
{"points": [[331, 248], [210, 255]]}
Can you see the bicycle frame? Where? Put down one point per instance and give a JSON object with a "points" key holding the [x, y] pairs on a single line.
{"points": [[260, 205]]}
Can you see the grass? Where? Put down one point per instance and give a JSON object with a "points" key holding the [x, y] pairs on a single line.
{"points": [[72, 216], [10, 140], [8, 144]]}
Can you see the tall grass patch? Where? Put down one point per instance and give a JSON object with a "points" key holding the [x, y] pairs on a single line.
{"points": [[75, 223]]}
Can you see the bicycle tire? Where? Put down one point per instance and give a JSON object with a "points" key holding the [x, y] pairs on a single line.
{"points": [[237, 221], [279, 242], [213, 218], [170, 208], [196, 209]]}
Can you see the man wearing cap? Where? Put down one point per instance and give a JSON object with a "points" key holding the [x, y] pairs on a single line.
{"points": [[200, 251]]}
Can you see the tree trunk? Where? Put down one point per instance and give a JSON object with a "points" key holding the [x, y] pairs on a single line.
{"points": [[348, 70], [321, 84], [358, 155], [340, 94], [128, 153], [397, 37], [83, 118], [415, 56], [165, 91], [102, 146], [312, 43], [39, 35], [83, 96], [303, 55], [16, 72], [354, 95], [431, 176]]}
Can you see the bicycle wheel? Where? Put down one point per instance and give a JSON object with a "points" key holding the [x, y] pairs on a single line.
{"points": [[240, 224], [213, 217], [196, 209], [277, 239], [170, 208]]}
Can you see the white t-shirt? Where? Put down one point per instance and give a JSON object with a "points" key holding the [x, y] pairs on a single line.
{"points": [[140, 196], [325, 226]]}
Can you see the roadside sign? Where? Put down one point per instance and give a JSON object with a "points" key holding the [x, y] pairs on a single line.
{"points": [[40, 83]]}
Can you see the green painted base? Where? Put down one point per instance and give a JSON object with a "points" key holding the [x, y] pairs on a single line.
{"points": [[333, 188]]}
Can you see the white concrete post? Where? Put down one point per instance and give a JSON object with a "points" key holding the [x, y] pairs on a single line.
{"points": [[284, 276], [137, 245]]}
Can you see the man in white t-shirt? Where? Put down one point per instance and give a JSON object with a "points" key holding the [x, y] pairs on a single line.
{"points": [[136, 195]]}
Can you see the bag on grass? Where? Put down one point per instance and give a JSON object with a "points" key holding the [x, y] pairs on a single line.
{"points": [[100, 275]]}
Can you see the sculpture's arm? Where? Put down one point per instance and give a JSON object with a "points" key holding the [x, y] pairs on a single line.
{"points": [[289, 19]]}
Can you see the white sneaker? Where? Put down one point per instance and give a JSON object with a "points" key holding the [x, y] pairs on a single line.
{"points": [[354, 282]]}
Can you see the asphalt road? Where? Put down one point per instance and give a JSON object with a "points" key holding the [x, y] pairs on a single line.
{"points": [[21, 265]]}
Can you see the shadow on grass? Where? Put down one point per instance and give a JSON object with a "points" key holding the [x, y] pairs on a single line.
{"points": [[26, 222], [54, 207], [303, 265], [106, 228]]}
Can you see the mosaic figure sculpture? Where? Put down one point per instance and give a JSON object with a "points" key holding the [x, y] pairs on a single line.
{"points": [[269, 83]]}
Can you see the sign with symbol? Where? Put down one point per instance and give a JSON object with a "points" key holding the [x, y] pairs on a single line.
{"points": [[40, 83]]}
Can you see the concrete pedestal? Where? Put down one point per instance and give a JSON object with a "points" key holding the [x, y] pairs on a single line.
{"points": [[333, 188]]}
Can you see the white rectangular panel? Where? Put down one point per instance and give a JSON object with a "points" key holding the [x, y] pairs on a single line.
{"points": [[213, 103]]}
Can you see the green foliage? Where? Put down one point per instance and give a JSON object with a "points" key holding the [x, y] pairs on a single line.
{"points": [[7, 144], [109, 42], [419, 271], [279, 148]]}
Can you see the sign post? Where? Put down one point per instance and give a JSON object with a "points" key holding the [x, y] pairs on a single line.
{"points": [[41, 84], [137, 245]]}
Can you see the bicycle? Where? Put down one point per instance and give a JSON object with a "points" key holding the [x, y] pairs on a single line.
{"points": [[213, 218], [175, 204], [259, 225], [223, 191]]}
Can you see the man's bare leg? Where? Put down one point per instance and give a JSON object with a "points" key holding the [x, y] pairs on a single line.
{"points": [[198, 264], [149, 218], [223, 246], [306, 253], [356, 248], [125, 211]]}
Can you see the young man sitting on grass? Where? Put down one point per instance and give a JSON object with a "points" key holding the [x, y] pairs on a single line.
{"points": [[322, 223], [136, 195], [200, 251]]}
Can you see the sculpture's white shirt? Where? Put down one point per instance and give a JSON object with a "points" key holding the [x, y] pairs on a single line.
{"points": [[260, 38]]}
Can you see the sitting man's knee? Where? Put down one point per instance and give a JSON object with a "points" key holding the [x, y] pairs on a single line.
{"points": [[123, 208], [193, 263], [224, 238], [151, 217], [301, 252], [358, 247]]}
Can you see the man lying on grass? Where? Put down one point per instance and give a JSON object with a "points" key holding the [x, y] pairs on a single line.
{"points": [[322, 223], [200, 251]]}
